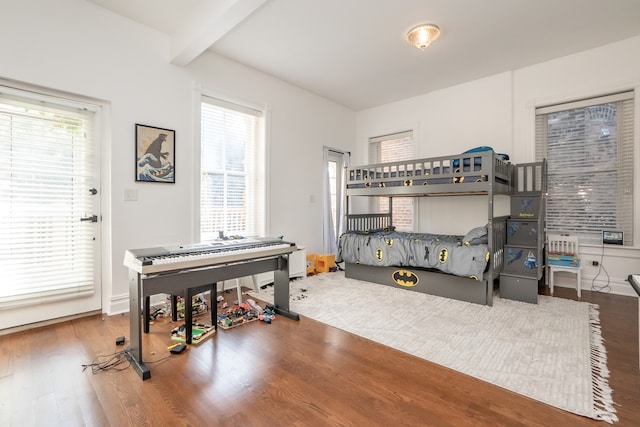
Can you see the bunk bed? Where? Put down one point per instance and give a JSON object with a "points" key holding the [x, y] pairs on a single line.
{"points": [[461, 267]]}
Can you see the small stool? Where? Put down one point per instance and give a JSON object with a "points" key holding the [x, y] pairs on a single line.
{"points": [[191, 292]]}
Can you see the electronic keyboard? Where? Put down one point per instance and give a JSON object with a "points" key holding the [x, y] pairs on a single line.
{"points": [[180, 257]]}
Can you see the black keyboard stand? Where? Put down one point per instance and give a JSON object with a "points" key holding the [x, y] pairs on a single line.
{"points": [[190, 282]]}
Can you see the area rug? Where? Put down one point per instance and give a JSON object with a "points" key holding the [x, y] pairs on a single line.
{"points": [[552, 352]]}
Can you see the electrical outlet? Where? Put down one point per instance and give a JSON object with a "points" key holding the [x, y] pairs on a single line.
{"points": [[595, 263]]}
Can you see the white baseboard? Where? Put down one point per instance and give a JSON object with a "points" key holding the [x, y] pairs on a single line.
{"points": [[118, 304], [615, 286]]}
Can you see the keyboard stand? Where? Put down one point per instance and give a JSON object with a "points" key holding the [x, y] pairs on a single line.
{"points": [[180, 282]]}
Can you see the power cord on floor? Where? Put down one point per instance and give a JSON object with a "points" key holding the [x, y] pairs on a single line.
{"points": [[113, 362], [606, 288], [108, 362]]}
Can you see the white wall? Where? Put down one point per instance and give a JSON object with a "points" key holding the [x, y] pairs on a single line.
{"points": [[77, 47], [609, 69], [445, 122], [498, 111]]}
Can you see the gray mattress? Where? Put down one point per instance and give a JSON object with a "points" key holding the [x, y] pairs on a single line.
{"points": [[459, 255]]}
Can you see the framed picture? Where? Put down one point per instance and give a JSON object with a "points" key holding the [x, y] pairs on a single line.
{"points": [[155, 154]]}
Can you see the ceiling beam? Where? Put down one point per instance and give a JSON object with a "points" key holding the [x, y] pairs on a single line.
{"points": [[212, 21]]}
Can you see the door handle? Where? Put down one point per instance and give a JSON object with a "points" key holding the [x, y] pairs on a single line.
{"points": [[93, 218]]}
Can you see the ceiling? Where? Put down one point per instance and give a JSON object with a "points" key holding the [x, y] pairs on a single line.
{"points": [[354, 53]]}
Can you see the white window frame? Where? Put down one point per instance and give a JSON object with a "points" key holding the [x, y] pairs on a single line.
{"points": [[258, 171], [567, 211]]}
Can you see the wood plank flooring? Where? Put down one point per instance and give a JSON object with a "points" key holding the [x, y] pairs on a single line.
{"points": [[286, 373]]}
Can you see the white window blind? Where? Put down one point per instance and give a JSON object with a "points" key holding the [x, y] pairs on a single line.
{"points": [[390, 148], [47, 164], [588, 145], [232, 170]]}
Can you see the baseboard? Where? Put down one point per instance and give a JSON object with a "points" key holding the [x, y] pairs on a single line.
{"points": [[118, 304], [615, 287]]}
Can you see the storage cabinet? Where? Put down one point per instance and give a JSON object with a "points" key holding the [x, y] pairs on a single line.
{"points": [[525, 233], [524, 258], [519, 288]]}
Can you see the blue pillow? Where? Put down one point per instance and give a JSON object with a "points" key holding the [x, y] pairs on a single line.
{"points": [[477, 160]]}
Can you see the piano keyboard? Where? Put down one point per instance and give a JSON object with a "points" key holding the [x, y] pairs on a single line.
{"points": [[162, 259]]}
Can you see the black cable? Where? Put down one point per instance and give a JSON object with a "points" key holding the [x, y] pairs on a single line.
{"points": [[157, 361], [111, 361], [606, 288]]}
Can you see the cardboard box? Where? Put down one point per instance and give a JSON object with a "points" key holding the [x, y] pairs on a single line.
{"points": [[311, 264], [325, 262]]}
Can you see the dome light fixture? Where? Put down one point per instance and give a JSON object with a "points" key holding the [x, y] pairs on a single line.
{"points": [[422, 35]]}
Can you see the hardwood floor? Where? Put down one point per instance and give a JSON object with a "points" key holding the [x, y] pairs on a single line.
{"points": [[286, 373]]}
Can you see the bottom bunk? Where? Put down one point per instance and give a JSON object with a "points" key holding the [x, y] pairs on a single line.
{"points": [[425, 281], [415, 261]]}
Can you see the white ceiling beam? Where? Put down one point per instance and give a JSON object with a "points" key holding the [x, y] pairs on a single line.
{"points": [[211, 22]]}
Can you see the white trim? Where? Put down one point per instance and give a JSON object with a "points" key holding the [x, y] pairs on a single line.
{"points": [[230, 101], [33, 92], [585, 102], [118, 304]]}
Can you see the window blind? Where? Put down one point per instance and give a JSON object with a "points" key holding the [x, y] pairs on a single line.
{"points": [[47, 165], [588, 145], [232, 170], [390, 148]]}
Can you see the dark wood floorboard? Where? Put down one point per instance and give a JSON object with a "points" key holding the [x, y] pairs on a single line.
{"points": [[287, 373]]}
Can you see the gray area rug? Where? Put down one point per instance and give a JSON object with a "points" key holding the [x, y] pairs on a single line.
{"points": [[552, 352]]}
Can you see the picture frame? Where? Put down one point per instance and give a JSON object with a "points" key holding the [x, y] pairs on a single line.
{"points": [[155, 154]]}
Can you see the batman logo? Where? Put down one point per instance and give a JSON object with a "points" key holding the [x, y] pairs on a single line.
{"points": [[457, 179], [389, 242], [443, 255], [405, 278], [379, 254]]}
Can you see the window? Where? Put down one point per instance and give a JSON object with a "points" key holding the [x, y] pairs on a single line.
{"points": [[48, 186], [391, 148], [232, 170], [589, 150]]}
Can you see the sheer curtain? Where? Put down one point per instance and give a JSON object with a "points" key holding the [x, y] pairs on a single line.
{"points": [[335, 163]]}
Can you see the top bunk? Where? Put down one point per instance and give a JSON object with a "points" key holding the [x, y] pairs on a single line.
{"points": [[471, 173]]}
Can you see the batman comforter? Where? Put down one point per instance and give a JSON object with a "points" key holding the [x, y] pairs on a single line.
{"points": [[466, 255]]}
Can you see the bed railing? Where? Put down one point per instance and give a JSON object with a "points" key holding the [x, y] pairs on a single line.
{"points": [[498, 240], [366, 222], [471, 172]]}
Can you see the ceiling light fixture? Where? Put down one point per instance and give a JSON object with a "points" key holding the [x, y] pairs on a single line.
{"points": [[422, 35]]}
